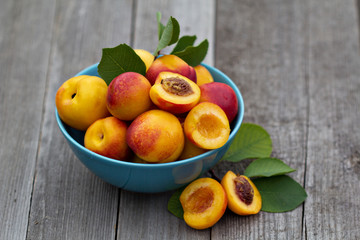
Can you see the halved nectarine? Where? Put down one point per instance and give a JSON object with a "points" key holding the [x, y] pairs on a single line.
{"points": [[243, 196], [207, 126], [204, 202], [174, 93]]}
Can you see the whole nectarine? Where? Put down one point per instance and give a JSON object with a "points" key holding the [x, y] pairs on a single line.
{"points": [[107, 137], [156, 136], [81, 100], [128, 96]]}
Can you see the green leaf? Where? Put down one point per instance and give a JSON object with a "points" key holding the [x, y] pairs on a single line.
{"points": [[160, 25], [174, 205], [194, 55], [280, 193], [251, 141], [183, 43], [169, 36], [267, 167], [117, 60]]}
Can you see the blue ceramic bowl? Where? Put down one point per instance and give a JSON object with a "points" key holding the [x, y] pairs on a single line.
{"points": [[150, 178]]}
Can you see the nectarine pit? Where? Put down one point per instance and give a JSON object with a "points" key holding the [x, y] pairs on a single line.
{"points": [[244, 190], [177, 86]]}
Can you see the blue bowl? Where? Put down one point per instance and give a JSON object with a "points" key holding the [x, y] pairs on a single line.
{"points": [[150, 178]]}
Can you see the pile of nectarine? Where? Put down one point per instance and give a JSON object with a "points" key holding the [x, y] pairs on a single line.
{"points": [[174, 112]]}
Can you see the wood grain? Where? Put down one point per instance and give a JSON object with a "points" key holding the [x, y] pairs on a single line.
{"points": [[296, 63], [68, 201], [145, 216], [262, 47], [23, 65], [333, 162]]}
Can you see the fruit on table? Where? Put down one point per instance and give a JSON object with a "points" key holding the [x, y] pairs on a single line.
{"points": [[145, 56], [81, 100], [243, 196], [170, 63], [156, 136], [128, 96], [204, 202], [107, 137], [174, 93], [207, 126], [222, 95], [202, 75]]}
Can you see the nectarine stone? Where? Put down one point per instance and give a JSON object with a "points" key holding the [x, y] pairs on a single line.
{"points": [[156, 136], [243, 196]]}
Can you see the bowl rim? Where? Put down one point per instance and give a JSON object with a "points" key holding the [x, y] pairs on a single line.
{"points": [[233, 132]]}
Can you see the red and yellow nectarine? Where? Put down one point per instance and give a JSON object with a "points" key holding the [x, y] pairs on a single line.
{"points": [[156, 136], [128, 96], [107, 137]]}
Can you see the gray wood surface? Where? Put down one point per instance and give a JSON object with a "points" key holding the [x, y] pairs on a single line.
{"points": [[268, 64], [23, 69], [333, 161], [69, 202], [295, 62]]}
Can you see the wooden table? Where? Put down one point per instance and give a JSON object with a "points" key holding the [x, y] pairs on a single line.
{"points": [[296, 63]]}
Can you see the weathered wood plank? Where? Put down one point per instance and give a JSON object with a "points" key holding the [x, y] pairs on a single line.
{"points": [[69, 202], [261, 45], [145, 216], [23, 65], [332, 210]]}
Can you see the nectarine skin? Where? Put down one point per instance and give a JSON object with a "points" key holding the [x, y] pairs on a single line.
{"points": [[156, 136], [203, 76], [191, 150], [128, 96], [145, 56], [170, 63], [222, 95], [81, 100], [107, 137]]}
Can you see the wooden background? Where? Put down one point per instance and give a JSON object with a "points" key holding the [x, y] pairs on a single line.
{"points": [[296, 63]]}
